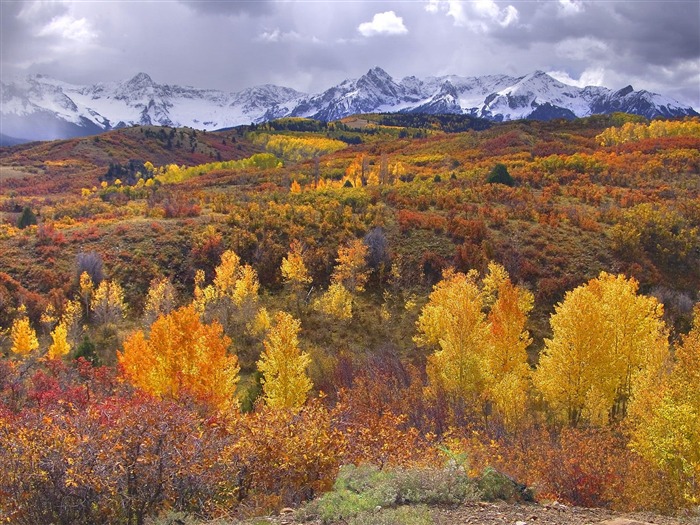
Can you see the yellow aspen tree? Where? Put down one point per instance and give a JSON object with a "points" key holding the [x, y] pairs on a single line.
{"points": [[247, 286], [571, 361], [72, 319], [397, 171], [235, 281], [260, 324], [353, 172], [108, 304], [453, 323], [605, 337], [294, 271], [283, 366], [49, 318], [59, 342], [232, 298], [335, 302], [87, 288], [351, 269], [295, 274], [638, 336], [506, 356], [183, 356], [227, 273], [23, 336], [666, 419], [496, 276], [160, 299], [373, 177], [200, 299]]}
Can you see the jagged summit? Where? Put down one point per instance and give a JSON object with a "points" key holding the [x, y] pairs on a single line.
{"points": [[625, 91], [141, 79], [38, 107], [378, 73]]}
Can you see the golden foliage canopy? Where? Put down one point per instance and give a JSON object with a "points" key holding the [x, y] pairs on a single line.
{"points": [[59, 345], [453, 322], [294, 271], [667, 419], [351, 270], [605, 336], [23, 337], [283, 365]]}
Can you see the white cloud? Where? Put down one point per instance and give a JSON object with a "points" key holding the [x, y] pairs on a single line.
{"points": [[276, 35], [478, 15], [508, 16], [570, 7], [383, 24], [432, 6], [590, 77], [66, 27]]}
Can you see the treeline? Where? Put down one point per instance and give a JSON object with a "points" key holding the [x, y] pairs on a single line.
{"points": [[444, 122]]}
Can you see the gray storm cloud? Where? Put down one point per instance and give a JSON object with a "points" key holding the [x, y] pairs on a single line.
{"points": [[309, 45]]}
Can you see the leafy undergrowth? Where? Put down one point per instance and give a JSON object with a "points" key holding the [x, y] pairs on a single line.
{"points": [[364, 490], [368, 495]]}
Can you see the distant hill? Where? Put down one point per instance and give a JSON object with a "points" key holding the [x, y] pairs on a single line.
{"points": [[6, 140], [79, 161]]}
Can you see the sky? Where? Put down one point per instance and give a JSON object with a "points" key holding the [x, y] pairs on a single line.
{"points": [[312, 45]]}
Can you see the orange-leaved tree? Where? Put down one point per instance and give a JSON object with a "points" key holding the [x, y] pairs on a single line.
{"points": [[506, 356], [183, 356]]}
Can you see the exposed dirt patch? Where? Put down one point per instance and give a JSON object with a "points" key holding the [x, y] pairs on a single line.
{"points": [[503, 513], [555, 514]]}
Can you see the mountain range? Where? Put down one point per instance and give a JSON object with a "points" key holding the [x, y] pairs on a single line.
{"points": [[42, 108]]}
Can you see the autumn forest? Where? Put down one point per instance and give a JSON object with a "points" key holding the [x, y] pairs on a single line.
{"points": [[215, 323]]}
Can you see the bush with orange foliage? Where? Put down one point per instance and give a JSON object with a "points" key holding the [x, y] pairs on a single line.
{"points": [[286, 456]]}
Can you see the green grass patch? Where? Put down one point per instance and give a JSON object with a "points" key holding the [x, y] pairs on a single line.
{"points": [[362, 493]]}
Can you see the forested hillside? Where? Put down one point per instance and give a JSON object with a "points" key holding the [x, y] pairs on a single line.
{"points": [[216, 322]]}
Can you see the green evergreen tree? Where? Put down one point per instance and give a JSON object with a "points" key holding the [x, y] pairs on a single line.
{"points": [[27, 218], [499, 175]]}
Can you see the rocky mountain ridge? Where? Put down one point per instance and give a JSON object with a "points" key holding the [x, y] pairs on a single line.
{"points": [[42, 108]]}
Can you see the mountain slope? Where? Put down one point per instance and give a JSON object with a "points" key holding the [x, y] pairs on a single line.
{"points": [[40, 107]]}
